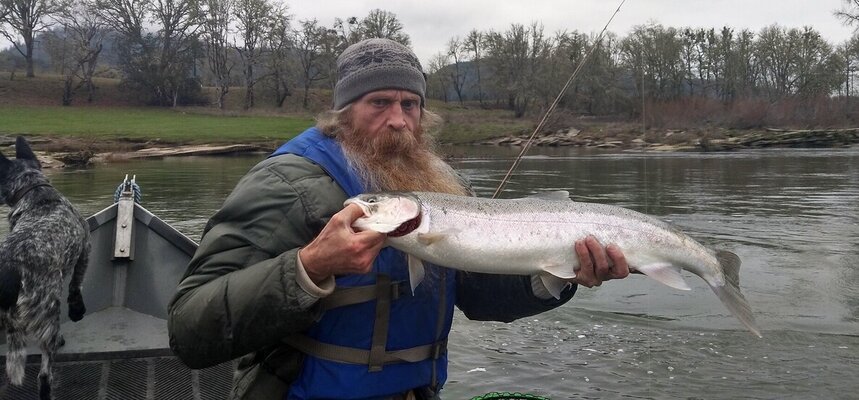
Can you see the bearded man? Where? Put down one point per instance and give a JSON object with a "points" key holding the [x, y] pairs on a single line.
{"points": [[316, 309]]}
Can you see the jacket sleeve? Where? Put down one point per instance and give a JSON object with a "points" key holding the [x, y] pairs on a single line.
{"points": [[239, 293], [504, 298]]}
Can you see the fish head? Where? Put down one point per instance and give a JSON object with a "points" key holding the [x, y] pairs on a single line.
{"points": [[396, 214]]}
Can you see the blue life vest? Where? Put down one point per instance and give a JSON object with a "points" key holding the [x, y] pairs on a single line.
{"points": [[414, 320]]}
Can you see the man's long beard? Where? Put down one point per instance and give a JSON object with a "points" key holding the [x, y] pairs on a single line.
{"points": [[398, 161]]}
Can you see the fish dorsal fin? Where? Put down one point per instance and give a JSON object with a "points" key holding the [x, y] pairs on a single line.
{"points": [[665, 273], [416, 272], [557, 195]]}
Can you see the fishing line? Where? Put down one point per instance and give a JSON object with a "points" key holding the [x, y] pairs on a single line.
{"points": [[555, 104]]}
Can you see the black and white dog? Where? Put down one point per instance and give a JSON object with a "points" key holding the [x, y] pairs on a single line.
{"points": [[48, 240]]}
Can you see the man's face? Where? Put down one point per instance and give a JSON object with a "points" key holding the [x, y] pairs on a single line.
{"points": [[383, 142], [393, 111]]}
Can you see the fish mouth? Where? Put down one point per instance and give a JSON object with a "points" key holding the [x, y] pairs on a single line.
{"points": [[406, 227], [383, 210]]}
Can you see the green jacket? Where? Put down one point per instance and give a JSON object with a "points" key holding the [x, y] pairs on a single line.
{"points": [[239, 296]]}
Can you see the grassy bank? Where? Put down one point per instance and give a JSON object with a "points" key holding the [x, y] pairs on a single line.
{"points": [[197, 126], [141, 124], [30, 106]]}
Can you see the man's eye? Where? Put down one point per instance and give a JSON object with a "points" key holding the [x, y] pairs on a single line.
{"points": [[380, 102], [409, 104]]}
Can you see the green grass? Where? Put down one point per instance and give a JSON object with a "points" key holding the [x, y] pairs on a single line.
{"points": [[146, 124], [467, 125]]}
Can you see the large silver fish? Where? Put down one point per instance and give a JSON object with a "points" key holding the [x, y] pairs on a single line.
{"points": [[535, 236]]}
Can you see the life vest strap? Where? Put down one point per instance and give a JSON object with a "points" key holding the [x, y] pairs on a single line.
{"points": [[351, 355], [380, 326], [360, 294]]}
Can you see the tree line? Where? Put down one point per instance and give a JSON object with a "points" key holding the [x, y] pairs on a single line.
{"points": [[524, 67], [169, 49]]}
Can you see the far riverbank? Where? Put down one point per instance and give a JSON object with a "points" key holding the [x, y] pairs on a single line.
{"points": [[58, 152]]}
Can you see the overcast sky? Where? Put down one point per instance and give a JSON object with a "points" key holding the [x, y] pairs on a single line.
{"points": [[431, 23]]}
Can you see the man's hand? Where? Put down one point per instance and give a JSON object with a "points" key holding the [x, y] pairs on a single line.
{"points": [[339, 249], [598, 264]]}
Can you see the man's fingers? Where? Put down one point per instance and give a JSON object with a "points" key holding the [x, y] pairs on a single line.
{"points": [[585, 274], [597, 251], [350, 213], [597, 263], [621, 268], [585, 262]]}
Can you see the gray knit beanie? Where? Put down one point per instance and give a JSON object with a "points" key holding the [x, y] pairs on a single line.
{"points": [[377, 64]]}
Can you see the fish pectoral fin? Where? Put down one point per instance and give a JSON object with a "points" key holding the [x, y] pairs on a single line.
{"points": [[553, 284], [433, 237], [665, 273], [555, 277], [416, 272], [558, 270]]}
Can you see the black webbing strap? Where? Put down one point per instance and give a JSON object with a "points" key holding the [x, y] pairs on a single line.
{"points": [[380, 325], [351, 355]]}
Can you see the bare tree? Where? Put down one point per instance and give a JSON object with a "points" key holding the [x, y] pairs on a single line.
{"points": [[310, 47], [280, 43], [457, 71], [348, 30], [653, 53], [474, 45], [216, 17], [438, 81], [253, 18], [126, 17], [516, 58], [157, 63], [377, 24], [85, 32], [849, 13], [24, 19], [383, 24]]}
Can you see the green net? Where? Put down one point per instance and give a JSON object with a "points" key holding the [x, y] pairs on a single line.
{"points": [[508, 396]]}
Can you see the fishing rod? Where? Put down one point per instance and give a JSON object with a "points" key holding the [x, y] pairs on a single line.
{"points": [[554, 104]]}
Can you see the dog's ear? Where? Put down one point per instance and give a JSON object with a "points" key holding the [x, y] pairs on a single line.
{"points": [[23, 150], [25, 153]]}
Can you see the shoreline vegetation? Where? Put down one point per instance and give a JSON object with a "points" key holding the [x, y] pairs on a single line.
{"points": [[113, 129]]}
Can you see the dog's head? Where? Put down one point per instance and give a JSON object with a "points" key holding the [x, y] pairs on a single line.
{"points": [[20, 172]]}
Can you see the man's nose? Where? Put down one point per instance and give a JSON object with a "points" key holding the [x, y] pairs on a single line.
{"points": [[396, 117]]}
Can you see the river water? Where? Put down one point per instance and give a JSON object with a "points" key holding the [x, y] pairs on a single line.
{"points": [[791, 215]]}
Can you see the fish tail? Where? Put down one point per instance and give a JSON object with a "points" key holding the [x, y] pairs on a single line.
{"points": [[730, 294]]}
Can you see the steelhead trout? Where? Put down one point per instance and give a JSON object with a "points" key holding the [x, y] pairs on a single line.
{"points": [[535, 236]]}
